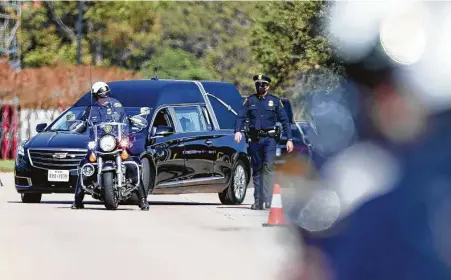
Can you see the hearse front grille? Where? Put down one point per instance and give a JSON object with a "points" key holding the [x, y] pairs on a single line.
{"points": [[60, 159]]}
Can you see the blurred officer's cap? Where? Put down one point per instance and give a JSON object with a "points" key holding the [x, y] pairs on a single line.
{"points": [[402, 44]]}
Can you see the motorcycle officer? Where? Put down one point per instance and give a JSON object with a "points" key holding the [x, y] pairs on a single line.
{"points": [[103, 110]]}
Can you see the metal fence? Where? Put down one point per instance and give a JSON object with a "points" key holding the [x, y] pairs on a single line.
{"points": [[30, 118]]}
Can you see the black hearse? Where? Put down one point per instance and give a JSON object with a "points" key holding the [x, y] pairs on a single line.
{"points": [[187, 147]]}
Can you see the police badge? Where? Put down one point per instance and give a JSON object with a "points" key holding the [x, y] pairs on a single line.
{"points": [[108, 111], [107, 128], [270, 103]]}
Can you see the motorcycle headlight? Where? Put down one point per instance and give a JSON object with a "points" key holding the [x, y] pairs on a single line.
{"points": [[124, 143], [92, 145], [107, 143]]}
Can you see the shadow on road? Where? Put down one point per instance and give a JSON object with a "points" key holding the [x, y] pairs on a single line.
{"points": [[170, 203], [243, 206], [99, 208]]}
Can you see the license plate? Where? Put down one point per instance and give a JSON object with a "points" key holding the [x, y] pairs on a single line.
{"points": [[58, 175]]}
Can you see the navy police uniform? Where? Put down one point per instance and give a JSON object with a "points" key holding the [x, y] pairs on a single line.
{"points": [[102, 111], [262, 113]]}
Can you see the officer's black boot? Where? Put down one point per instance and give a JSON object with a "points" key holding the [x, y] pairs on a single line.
{"points": [[143, 203], [140, 191], [257, 206], [78, 201], [79, 195]]}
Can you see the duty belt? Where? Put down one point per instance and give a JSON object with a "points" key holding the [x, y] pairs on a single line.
{"points": [[256, 134]]}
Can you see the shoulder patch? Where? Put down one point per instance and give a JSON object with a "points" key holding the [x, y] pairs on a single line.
{"points": [[117, 105]]}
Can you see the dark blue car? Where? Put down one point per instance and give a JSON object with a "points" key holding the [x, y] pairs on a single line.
{"points": [[187, 147], [298, 133]]}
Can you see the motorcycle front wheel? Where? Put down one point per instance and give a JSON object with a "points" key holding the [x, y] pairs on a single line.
{"points": [[110, 199]]}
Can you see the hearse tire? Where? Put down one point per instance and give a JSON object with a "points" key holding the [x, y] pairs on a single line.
{"points": [[231, 195], [223, 197], [31, 197], [110, 199]]}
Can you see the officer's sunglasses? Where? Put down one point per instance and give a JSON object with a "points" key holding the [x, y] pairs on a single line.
{"points": [[261, 84]]}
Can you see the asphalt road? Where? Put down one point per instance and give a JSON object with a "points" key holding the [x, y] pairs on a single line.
{"points": [[181, 237]]}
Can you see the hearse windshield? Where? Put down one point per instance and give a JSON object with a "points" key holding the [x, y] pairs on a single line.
{"points": [[74, 114]]}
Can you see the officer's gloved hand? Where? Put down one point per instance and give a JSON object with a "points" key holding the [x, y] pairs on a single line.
{"points": [[238, 137]]}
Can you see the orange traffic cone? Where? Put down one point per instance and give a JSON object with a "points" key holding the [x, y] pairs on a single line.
{"points": [[276, 217]]}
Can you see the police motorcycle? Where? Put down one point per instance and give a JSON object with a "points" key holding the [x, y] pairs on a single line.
{"points": [[104, 171]]}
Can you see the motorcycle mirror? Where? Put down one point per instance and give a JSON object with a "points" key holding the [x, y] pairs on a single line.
{"points": [[78, 126], [144, 110]]}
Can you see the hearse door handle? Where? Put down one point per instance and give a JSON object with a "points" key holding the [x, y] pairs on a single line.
{"points": [[208, 142]]}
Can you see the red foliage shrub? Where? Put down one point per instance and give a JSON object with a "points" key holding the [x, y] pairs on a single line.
{"points": [[54, 86]]}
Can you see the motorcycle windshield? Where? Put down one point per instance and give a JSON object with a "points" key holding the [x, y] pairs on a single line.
{"points": [[115, 129], [112, 122]]}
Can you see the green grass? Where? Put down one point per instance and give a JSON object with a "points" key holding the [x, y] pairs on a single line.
{"points": [[6, 165]]}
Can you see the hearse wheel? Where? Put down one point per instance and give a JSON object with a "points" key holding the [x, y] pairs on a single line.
{"points": [[236, 191], [31, 197], [146, 180]]}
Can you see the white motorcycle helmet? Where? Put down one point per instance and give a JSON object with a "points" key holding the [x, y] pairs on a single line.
{"points": [[100, 89]]}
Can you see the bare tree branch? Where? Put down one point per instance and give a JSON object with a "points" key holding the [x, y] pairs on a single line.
{"points": [[66, 30]]}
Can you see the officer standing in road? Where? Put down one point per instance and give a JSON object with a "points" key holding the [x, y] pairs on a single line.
{"points": [[103, 110], [263, 110]]}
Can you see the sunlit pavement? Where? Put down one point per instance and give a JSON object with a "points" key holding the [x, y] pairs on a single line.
{"points": [[181, 237]]}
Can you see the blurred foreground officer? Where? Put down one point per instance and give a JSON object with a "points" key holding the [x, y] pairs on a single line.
{"points": [[394, 185], [263, 110]]}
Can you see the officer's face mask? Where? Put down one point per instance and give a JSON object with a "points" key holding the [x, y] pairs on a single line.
{"points": [[261, 87], [102, 94]]}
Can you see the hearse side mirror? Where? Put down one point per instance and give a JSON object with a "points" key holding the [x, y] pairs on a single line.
{"points": [[40, 127], [162, 130]]}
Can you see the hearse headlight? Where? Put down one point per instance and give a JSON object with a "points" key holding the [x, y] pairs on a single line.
{"points": [[21, 150], [107, 143], [92, 145]]}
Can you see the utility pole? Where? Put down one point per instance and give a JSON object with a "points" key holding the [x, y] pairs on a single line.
{"points": [[79, 30]]}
